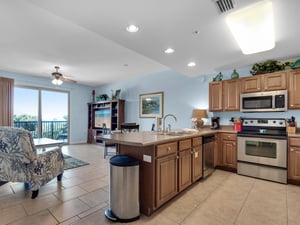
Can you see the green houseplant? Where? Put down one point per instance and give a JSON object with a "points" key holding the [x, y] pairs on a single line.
{"points": [[269, 66]]}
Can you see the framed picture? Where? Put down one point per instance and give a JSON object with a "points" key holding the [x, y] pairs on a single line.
{"points": [[151, 105]]}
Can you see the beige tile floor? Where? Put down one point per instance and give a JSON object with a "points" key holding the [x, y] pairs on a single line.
{"points": [[223, 198]]}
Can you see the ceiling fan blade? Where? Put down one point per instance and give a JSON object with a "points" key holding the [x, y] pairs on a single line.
{"points": [[68, 79]]}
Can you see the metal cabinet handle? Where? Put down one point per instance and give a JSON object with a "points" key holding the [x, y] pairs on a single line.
{"points": [[292, 149], [169, 149]]}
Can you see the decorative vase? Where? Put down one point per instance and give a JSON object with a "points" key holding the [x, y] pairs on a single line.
{"points": [[234, 74]]}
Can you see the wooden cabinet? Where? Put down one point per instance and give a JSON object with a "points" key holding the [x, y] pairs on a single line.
{"points": [[265, 82], [103, 116], [197, 170], [166, 172], [294, 160], [185, 164], [6, 101], [231, 95], [293, 89], [229, 150], [215, 96], [252, 84], [275, 81], [224, 95]]}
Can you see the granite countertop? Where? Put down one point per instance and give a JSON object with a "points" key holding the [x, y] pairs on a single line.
{"points": [[145, 138]]}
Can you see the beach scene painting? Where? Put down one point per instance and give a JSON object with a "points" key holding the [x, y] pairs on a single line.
{"points": [[151, 105]]}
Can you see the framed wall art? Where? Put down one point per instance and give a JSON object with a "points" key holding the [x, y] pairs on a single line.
{"points": [[151, 105]]}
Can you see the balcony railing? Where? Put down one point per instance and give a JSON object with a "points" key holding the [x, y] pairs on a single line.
{"points": [[57, 130]]}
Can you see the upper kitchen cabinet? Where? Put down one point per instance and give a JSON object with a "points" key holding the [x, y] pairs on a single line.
{"points": [[275, 81], [252, 84], [215, 96], [231, 95], [293, 86], [6, 100], [265, 82], [224, 95]]}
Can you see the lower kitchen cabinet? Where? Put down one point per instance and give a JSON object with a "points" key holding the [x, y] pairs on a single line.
{"points": [[229, 150], [185, 164], [197, 163], [294, 161], [166, 172]]}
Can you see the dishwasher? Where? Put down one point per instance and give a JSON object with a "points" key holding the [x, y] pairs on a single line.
{"points": [[208, 154]]}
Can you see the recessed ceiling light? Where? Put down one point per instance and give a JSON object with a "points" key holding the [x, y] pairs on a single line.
{"points": [[169, 51], [191, 64], [132, 28]]}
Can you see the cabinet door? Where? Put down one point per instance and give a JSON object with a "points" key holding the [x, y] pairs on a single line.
{"points": [[6, 101], [185, 169], [294, 163], [252, 84], [166, 178], [197, 163], [215, 96], [275, 81], [229, 154], [231, 95], [293, 89]]}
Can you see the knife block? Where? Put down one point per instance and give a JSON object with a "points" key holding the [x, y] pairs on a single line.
{"points": [[291, 130]]}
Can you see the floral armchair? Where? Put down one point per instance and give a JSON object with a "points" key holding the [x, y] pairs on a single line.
{"points": [[19, 161]]}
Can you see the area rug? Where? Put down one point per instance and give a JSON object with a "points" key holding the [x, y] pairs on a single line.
{"points": [[71, 162]]}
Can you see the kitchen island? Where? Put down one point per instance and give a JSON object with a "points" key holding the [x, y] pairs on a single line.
{"points": [[169, 163]]}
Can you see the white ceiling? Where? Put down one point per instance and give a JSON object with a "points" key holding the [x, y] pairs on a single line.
{"points": [[89, 41]]}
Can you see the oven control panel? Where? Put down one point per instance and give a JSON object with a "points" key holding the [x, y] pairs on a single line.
{"points": [[263, 122]]}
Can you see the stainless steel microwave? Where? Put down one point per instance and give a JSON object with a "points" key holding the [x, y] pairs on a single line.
{"points": [[268, 101]]}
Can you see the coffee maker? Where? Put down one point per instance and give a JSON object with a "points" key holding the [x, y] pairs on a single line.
{"points": [[215, 123]]}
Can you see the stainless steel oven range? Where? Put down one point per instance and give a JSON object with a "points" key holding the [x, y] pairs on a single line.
{"points": [[262, 149]]}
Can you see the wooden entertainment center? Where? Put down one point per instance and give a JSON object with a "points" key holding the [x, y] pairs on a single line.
{"points": [[104, 116]]}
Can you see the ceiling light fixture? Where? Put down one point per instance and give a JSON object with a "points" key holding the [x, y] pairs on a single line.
{"points": [[132, 28], [253, 27], [191, 64], [56, 81], [169, 51]]}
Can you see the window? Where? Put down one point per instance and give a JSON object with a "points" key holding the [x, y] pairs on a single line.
{"points": [[43, 112]]}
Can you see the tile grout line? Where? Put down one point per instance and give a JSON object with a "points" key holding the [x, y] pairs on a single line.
{"points": [[201, 203], [244, 203], [286, 202]]}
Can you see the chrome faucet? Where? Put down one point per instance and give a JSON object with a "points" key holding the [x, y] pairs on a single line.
{"points": [[164, 119]]}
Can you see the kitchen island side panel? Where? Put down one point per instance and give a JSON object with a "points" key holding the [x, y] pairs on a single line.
{"points": [[147, 174]]}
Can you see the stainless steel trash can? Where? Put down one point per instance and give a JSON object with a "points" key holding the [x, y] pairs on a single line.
{"points": [[123, 189]]}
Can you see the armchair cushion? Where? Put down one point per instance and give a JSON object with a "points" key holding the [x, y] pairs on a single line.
{"points": [[19, 161]]}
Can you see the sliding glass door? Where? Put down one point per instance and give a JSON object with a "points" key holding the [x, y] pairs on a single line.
{"points": [[43, 112]]}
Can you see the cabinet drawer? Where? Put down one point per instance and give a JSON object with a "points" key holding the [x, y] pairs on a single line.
{"points": [[197, 141], [185, 144], [294, 142], [228, 137], [166, 149]]}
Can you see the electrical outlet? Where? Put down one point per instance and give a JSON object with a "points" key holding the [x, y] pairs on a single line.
{"points": [[147, 158]]}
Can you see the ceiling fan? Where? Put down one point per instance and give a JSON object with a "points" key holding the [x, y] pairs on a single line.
{"points": [[58, 78]]}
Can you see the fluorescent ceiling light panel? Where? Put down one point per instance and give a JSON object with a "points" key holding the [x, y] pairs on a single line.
{"points": [[253, 27]]}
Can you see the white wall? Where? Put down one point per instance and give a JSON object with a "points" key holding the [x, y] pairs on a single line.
{"points": [[79, 96], [181, 95]]}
